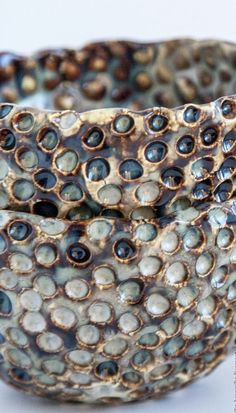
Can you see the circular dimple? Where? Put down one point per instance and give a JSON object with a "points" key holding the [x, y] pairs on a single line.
{"points": [[228, 109], [206, 307], [157, 305], [94, 138], [18, 358], [71, 192], [8, 280], [99, 230], [81, 212], [229, 141], [150, 266], [45, 179], [52, 227], [225, 238], [100, 312], [176, 273], [63, 318], [131, 379], [107, 370], [45, 286], [52, 366], [191, 114], [48, 139], [7, 140], [185, 145], [146, 232], [194, 329], [77, 289], [109, 194], [202, 168], [161, 371], [33, 322], [49, 342], [192, 238], [67, 161], [23, 190], [202, 190], [156, 151], [31, 300], [172, 178], [130, 169], [104, 277], [88, 335], [131, 290], [128, 323], [17, 337], [174, 346], [124, 249], [20, 263], [5, 110], [80, 358], [148, 340], [157, 122], [123, 124], [20, 375], [19, 230], [97, 169], [186, 296], [27, 158], [23, 122], [148, 192], [204, 264], [45, 209], [209, 136], [5, 304], [78, 253], [116, 347], [170, 242], [223, 191], [46, 254]]}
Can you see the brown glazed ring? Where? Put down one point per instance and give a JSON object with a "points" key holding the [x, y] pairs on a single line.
{"points": [[117, 222]]}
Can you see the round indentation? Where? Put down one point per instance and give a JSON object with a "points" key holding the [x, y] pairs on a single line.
{"points": [[100, 312], [157, 305], [31, 300], [5, 110], [191, 114], [45, 286], [63, 318], [71, 192], [130, 169], [123, 124], [155, 152], [193, 238], [186, 296], [157, 122], [23, 190], [97, 169], [225, 238], [18, 358], [170, 242], [229, 141], [148, 340], [20, 375], [109, 194], [80, 358], [8, 280], [45, 209], [194, 329], [33, 322], [223, 191], [99, 230], [176, 273], [107, 370], [131, 379], [128, 323], [146, 232], [20, 263], [17, 337], [228, 109], [88, 335], [202, 168], [5, 304], [78, 253], [52, 366], [204, 264], [81, 212], [27, 159], [148, 192], [209, 136], [172, 178], [161, 371], [206, 307], [227, 168], [174, 346], [77, 289], [93, 138], [48, 139], [104, 277], [19, 230], [185, 145], [45, 179], [150, 266], [141, 360], [23, 121], [115, 348], [49, 342], [7, 140], [131, 291], [67, 161], [52, 226], [124, 249], [46, 254]]}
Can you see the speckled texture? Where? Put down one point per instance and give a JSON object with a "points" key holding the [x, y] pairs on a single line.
{"points": [[117, 221]]}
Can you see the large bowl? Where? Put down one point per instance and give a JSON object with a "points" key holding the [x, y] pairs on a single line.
{"points": [[117, 221]]}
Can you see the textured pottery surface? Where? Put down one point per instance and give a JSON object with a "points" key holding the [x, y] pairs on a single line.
{"points": [[117, 221]]}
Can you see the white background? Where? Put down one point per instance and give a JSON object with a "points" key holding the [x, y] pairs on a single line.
{"points": [[28, 25]]}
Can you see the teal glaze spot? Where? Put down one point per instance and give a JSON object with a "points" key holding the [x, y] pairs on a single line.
{"points": [[5, 304], [158, 123], [24, 121], [123, 123], [5, 110]]}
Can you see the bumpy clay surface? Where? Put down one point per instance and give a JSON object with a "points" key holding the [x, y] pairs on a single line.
{"points": [[117, 221]]}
